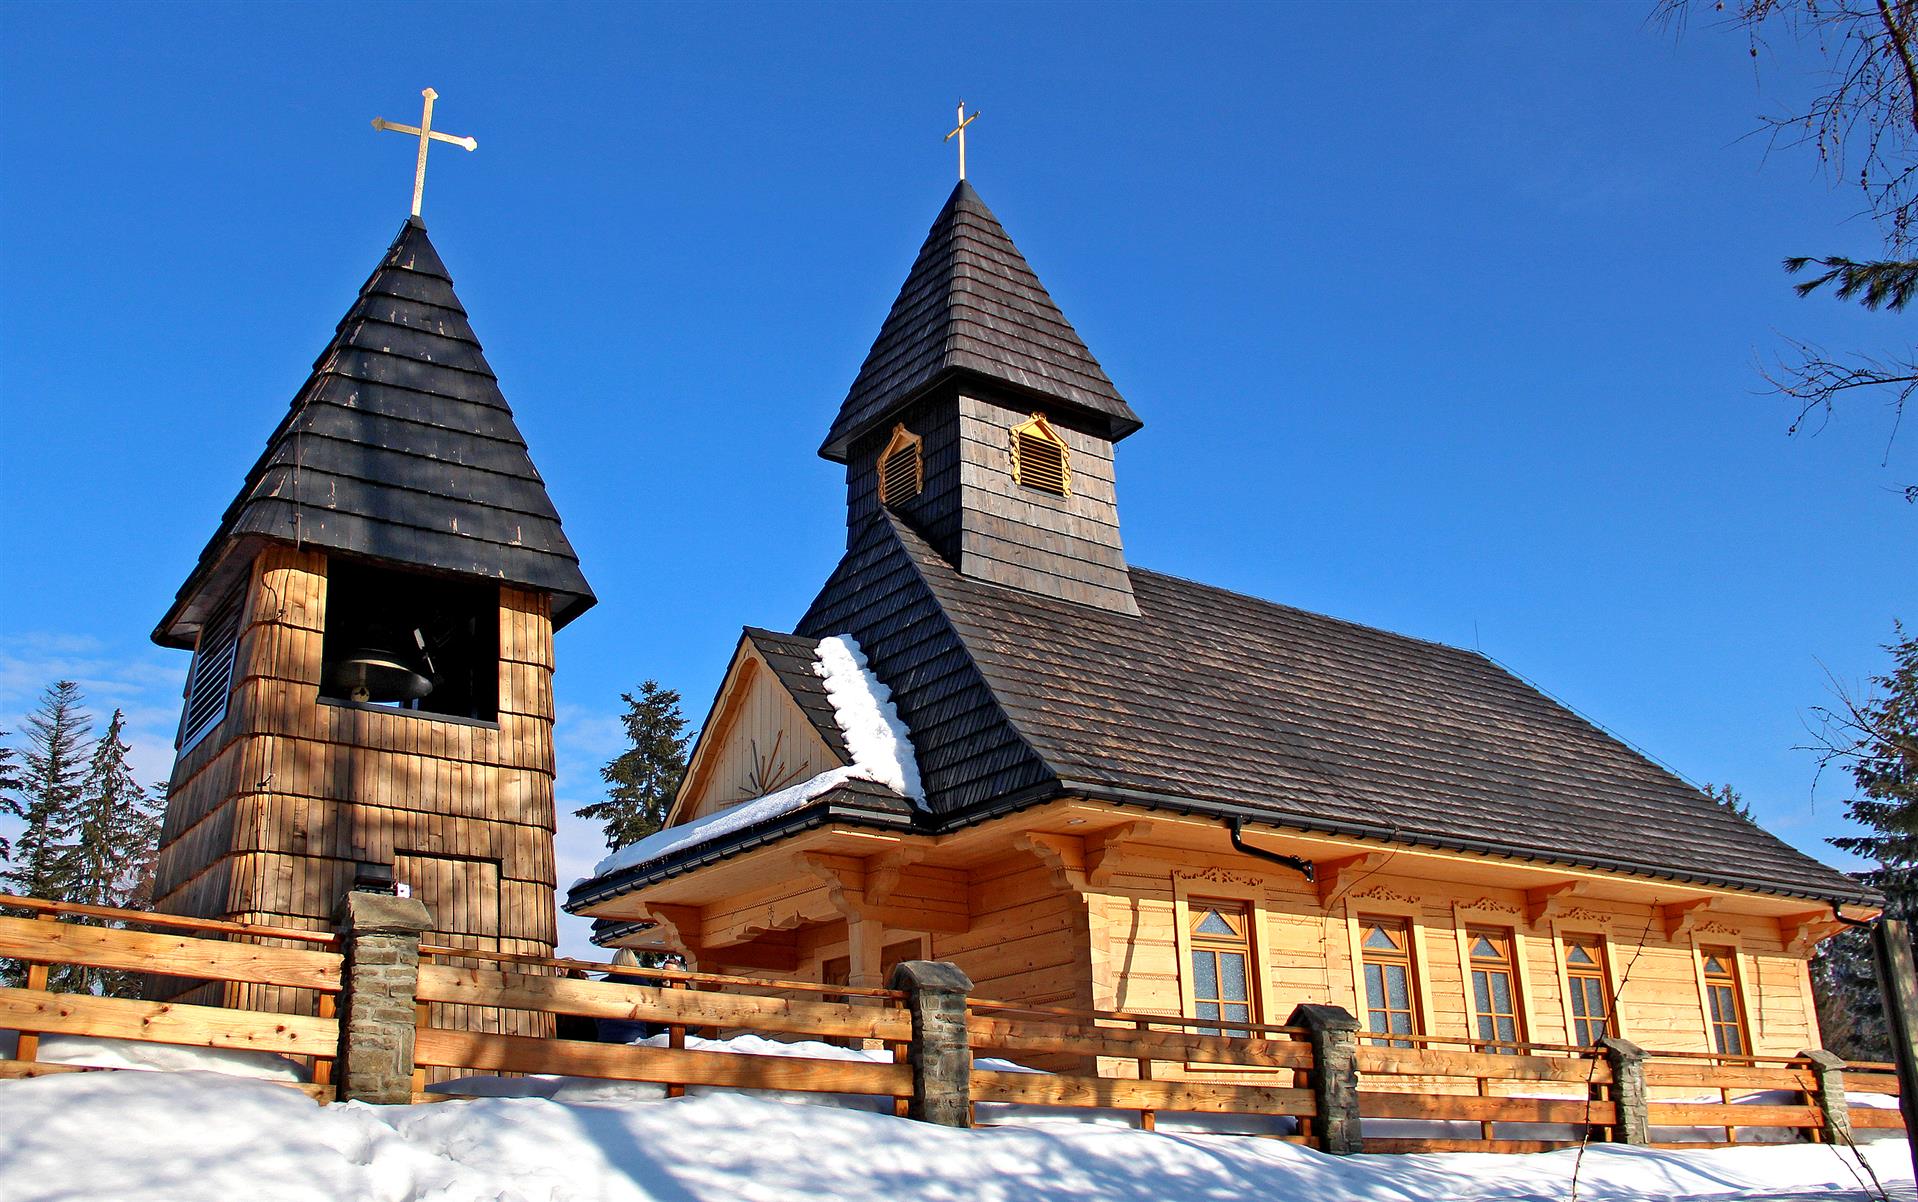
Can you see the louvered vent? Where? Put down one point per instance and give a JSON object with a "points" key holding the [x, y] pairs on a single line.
{"points": [[211, 679], [1039, 457], [902, 471]]}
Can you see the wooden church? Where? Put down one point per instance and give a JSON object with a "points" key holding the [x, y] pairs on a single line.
{"points": [[371, 693], [1138, 792]]}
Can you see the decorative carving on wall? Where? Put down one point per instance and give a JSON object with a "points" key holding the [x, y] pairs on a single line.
{"points": [[1218, 876], [1388, 894], [1497, 904]]}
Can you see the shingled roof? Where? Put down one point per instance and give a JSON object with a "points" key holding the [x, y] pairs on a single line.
{"points": [[971, 303], [792, 659], [1214, 702], [400, 447]]}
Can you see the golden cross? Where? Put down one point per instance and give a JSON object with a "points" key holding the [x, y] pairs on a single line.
{"points": [[423, 131], [960, 131]]}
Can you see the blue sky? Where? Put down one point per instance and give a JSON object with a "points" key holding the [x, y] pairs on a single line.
{"points": [[1442, 318]]}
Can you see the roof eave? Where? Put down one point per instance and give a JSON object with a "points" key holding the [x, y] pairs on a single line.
{"points": [[836, 447]]}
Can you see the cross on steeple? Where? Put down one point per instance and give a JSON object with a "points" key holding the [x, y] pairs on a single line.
{"points": [[424, 131], [960, 131]]}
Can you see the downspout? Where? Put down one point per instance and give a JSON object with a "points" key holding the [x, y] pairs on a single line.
{"points": [[1297, 864]]}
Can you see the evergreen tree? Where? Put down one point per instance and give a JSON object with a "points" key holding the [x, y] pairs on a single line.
{"points": [[9, 790], [56, 756], [643, 779], [1876, 739], [106, 845], [1731, 799]]}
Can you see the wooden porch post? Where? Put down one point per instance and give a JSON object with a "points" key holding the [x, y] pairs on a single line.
{"points": [[1898, 982]]}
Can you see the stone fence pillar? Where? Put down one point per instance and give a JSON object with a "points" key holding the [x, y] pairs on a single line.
{"points": [[941, 1053], [1828, 1071], [1334, 1036], [380, 938], [1627, 1061]]}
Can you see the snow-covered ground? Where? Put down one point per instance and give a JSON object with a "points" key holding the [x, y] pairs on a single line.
{"points": [[193, 1136]]}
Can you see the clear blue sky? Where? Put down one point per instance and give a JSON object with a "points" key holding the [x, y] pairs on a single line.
{"points": [[1441, 318]]}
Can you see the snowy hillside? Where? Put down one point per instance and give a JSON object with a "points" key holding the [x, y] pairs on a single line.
{"points": [[186, 1137]]}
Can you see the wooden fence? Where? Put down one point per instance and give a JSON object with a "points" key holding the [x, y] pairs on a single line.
{"points": [[1416, 1093]]}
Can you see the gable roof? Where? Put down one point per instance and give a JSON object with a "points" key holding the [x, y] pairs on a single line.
{"points": [[1232, 705], [971, 303], [791, 658], [400, 447]]}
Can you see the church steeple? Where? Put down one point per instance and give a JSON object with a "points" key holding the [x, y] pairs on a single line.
{"points": [[401, 448], [980, 394]]}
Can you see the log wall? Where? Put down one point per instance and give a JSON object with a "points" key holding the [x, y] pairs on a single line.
{"points": [[270, 813]]}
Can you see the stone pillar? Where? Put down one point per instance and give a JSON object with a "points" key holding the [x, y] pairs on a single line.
{"points": [[1334, 1036], [941, 1054], [380, 937], [1828, 1071], [1627, 1061]]}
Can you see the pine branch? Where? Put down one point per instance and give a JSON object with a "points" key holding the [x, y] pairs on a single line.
{"points": [[1885, 284]]}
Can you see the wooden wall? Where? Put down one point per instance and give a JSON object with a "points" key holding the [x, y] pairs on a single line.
{"points": [[755, 714], [269, 814]]}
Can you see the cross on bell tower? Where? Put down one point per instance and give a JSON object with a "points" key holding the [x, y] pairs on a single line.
{"points": [[425, 132]]}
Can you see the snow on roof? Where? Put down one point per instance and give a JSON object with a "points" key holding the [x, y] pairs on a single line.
{"points": [[880, 744]]}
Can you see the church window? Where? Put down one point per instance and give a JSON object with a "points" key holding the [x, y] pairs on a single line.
{"points": [[1221, 963], [408, 641], [1591, 988], [1391, 987], [1039, 457], [210, 680], [902, 468], [1494, 988], [1723, 1006]]}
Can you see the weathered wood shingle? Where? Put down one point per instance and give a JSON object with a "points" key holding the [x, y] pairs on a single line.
{"points": [[972, 304], [401, 447]]}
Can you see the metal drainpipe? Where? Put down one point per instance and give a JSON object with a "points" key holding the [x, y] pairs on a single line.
{"points": [[1297, 864]]}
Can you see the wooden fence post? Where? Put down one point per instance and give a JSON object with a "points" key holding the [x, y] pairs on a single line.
{"points": [[1898, 983], [379, 981], [941, 1055], [1828, 1072], [1334, 1036], [1627, 1060]]}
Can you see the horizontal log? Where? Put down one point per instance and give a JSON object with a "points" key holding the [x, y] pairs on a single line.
{"points": [[167, 1022], [1014, 1035], [650, 1003], [168, 955], [472, 1050], [1377, 1144], [1709, 1114], [1125, 1093], [1872, 1082], [17, 1070], [1729, 1077], [429, 951], [989, 1006], [1493, 1110], [153, 918], [1412, 1062], [1871, 1118]]}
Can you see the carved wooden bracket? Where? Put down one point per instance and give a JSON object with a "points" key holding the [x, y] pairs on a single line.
{"points": [[1063, 855], [850, 884], [1335, 877], [1802, 933], [678, 926], [1552, 901], [884, 872], [1681, 918], [1105, 852]]}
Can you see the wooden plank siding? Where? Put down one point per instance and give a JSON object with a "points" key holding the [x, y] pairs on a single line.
{"points": [[271, 813]]}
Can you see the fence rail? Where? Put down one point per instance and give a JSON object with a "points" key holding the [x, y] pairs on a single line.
{"points": [[1298, 1081]]}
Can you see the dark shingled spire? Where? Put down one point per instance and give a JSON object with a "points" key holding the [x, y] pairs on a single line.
{"points": [[399, 448], [972, 304]]}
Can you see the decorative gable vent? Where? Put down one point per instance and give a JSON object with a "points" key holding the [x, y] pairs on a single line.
{"points": [[902, 468], [210, 681], [1039, 457]]}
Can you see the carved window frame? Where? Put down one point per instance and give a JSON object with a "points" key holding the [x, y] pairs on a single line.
{"points": [[1380, 900], [1740, 975], [1189, 890], [1038, 429], [902, 440]]}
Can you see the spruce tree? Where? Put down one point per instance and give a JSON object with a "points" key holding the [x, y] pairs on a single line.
{"points": [[105, 844], [643, 779], [9, 790], [55, 763], [1876, 739], [1731, 799]]}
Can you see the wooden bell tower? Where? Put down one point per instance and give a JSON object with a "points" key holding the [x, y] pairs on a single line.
{"points": [[372, 628]]}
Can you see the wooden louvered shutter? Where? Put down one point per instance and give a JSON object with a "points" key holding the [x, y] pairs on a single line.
{"points": [[902, 469], [210, 680], [1039, 457]]}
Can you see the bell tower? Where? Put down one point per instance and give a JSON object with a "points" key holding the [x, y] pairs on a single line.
{"points": [[980, 418], [372, 636]]}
